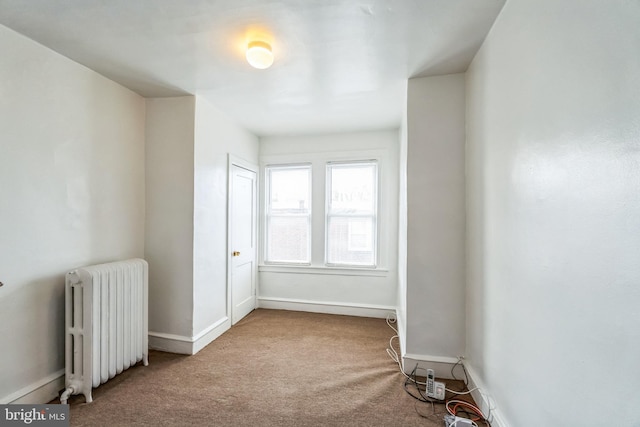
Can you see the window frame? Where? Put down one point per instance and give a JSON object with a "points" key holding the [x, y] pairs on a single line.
{"points": [[328, 189], [268, 212], [387, 203]]}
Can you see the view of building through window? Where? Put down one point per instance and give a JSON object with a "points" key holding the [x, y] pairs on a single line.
{"points": [[351, 214], [351, 191], [289, 214]]}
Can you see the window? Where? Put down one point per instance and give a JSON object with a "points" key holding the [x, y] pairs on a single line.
{"points": [[288, 214], [351, 214], [324, 213]]}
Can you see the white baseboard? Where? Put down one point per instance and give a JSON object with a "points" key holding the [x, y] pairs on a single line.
{"points": [[40, 392], [347, 309], [205, 337], [170, 343], [484, 400], [182, 344], [440, 364]]}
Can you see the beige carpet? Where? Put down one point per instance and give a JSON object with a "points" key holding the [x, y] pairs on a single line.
{"points": [[274, 368]]}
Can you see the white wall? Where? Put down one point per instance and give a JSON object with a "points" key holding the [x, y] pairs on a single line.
{"points": [[188, 143], [169, 172], [72, 194], [355, 291], [435, 231], [401, 304], [216, 136], [554, 213]]}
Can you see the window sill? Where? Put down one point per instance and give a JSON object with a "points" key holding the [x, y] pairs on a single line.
{"points": [[336, 271]]}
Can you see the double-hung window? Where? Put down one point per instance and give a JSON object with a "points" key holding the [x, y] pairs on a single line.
{"points": [[288, 214], [351, 214]]}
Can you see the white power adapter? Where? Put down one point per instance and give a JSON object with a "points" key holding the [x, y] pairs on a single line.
{"points": [[453, 421]]}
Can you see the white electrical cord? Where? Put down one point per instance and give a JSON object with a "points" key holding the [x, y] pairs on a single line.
{"points": [[391, 318], [393, 354], [462, 392]]}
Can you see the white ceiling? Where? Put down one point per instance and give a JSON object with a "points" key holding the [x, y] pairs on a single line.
{"points": [[340, 65]]}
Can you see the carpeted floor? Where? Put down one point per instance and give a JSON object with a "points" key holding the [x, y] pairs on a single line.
{"points": [[274, 368]]}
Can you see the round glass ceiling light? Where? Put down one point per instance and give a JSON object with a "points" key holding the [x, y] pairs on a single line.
{"points": [[259, 54]]}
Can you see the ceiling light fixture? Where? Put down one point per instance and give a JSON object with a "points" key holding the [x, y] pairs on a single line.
{"points": [[259, 54]]}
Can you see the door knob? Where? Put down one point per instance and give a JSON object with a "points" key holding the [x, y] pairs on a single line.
{"points": [[236, 253]]}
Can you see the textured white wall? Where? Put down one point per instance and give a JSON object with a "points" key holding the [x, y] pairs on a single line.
{"points": [[216, 136], [169, 213], [71, 192], [435, 227], [554, 213]]}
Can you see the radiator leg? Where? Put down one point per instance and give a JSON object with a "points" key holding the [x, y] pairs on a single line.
{"points": [[87, 397], [65, 395], [145, 359]]}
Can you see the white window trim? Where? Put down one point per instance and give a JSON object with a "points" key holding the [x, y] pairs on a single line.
{"points": [[319, 161], [332, 271]]}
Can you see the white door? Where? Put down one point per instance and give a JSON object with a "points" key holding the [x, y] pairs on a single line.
{"points": [[242, 241]]}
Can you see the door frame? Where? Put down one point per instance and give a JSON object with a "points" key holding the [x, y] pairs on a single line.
{"points": [[234, 160]]}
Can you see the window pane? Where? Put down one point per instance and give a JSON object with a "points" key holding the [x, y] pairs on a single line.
{"points": [[288, 239], [288, 214], [353, 188], [351, 214], [350, 241], [290, 190]]}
